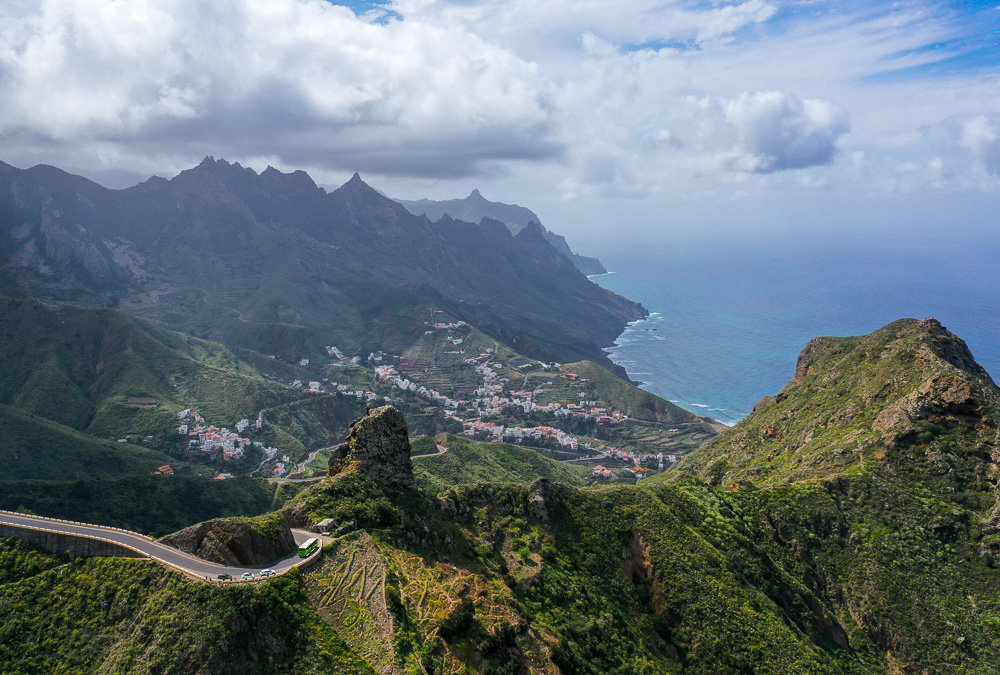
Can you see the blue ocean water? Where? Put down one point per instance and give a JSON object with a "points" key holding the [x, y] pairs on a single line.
{"points": [[727, 323]]}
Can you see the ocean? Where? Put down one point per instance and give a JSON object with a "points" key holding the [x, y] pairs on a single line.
{"points": [[727, 323]]}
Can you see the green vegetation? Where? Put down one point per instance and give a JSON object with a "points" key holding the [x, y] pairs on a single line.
{"points": [[111, 374], [34, 447], [116, 615], [908, 397], [21, 559], [849, 525], [468, 461], [154, 505]]}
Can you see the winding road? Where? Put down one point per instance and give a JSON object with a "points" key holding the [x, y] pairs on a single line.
{"points": [[150, 548], [440, 451]]}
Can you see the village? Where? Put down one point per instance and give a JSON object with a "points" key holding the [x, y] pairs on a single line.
{"points": [[231, 446], [492, 399]]}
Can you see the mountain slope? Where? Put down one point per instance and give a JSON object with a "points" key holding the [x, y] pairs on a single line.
{"points": [[131, 616], [111, 374], [274, 263], [475, 207], [468, 461], [907, 397], [874, 472], [34, 447]]}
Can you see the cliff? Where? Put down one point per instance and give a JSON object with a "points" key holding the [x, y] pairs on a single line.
{"points": [[252, 542], [475, 207], [884, 399]]}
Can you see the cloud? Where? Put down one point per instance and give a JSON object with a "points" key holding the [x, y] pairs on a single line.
{"points": [[304, 80], [981, 136], [779, 131], [608, 97]]}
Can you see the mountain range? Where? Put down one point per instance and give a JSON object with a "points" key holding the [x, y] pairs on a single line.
{"points": [[272, 262], [475, 207]]}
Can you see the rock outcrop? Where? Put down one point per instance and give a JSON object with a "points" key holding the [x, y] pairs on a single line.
{"points": [[249, 542], [377, 445]]}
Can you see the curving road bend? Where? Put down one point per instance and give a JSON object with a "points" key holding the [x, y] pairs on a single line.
{"points": [[150, 547], [440, 451]]}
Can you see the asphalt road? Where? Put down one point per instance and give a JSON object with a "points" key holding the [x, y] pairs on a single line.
{"points": [[440, 451], [150, 547]]}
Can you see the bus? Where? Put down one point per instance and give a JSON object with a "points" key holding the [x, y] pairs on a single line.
{"points": [[308, 547]]}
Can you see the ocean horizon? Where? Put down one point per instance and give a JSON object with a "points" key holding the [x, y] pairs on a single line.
{"points": [[726, 325]]}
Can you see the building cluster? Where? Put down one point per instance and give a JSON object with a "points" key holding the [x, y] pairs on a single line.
{"points": [[209, 438], [389, 374], [490, 431], [490, 399]]}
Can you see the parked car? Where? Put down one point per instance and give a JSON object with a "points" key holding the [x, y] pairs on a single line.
{"points": [[225, 577], [266, 573], [248, 575]]}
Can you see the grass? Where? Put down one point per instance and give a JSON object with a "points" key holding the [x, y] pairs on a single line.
{"points": [[469, 461], [119, 615]]}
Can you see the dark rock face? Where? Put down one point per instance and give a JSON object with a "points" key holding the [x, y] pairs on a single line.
{"points": [[378, 445], [234, 542]]}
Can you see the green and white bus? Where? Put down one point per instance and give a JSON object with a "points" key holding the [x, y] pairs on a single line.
{"points": [[308, 547]]}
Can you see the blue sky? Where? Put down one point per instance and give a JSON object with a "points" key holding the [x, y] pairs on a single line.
{"points": [[725, 114]]}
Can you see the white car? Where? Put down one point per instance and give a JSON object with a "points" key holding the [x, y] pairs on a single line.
{"points": [[266, 573]]}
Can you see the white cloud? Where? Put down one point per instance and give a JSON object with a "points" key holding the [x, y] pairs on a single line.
{"points": [[981, 136], [302, 79], [575, 98], [778, 131]]}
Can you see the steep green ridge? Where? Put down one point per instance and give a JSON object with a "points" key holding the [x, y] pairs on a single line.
{"points": [[469, 461], [875, 471], [111, 374], [115, 615], [908, 398], [34, 447]]}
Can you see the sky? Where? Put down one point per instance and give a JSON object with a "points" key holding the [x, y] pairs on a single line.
{"points": [[618, 122]]}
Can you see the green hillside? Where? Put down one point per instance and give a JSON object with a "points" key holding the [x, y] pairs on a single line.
{"points": [[909, 398], [113, 615], [468, 461], [154, 505], [34, 447], [874, 552], [111, 374]]}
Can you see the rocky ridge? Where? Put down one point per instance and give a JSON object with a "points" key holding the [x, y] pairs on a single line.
{"points": [[378, 446]]}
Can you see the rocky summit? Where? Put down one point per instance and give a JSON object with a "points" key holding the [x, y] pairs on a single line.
{"points": [[378, 445]]}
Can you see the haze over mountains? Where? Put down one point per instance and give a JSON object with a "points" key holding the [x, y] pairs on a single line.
{"points": [[272, 262], [475, 207]]}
